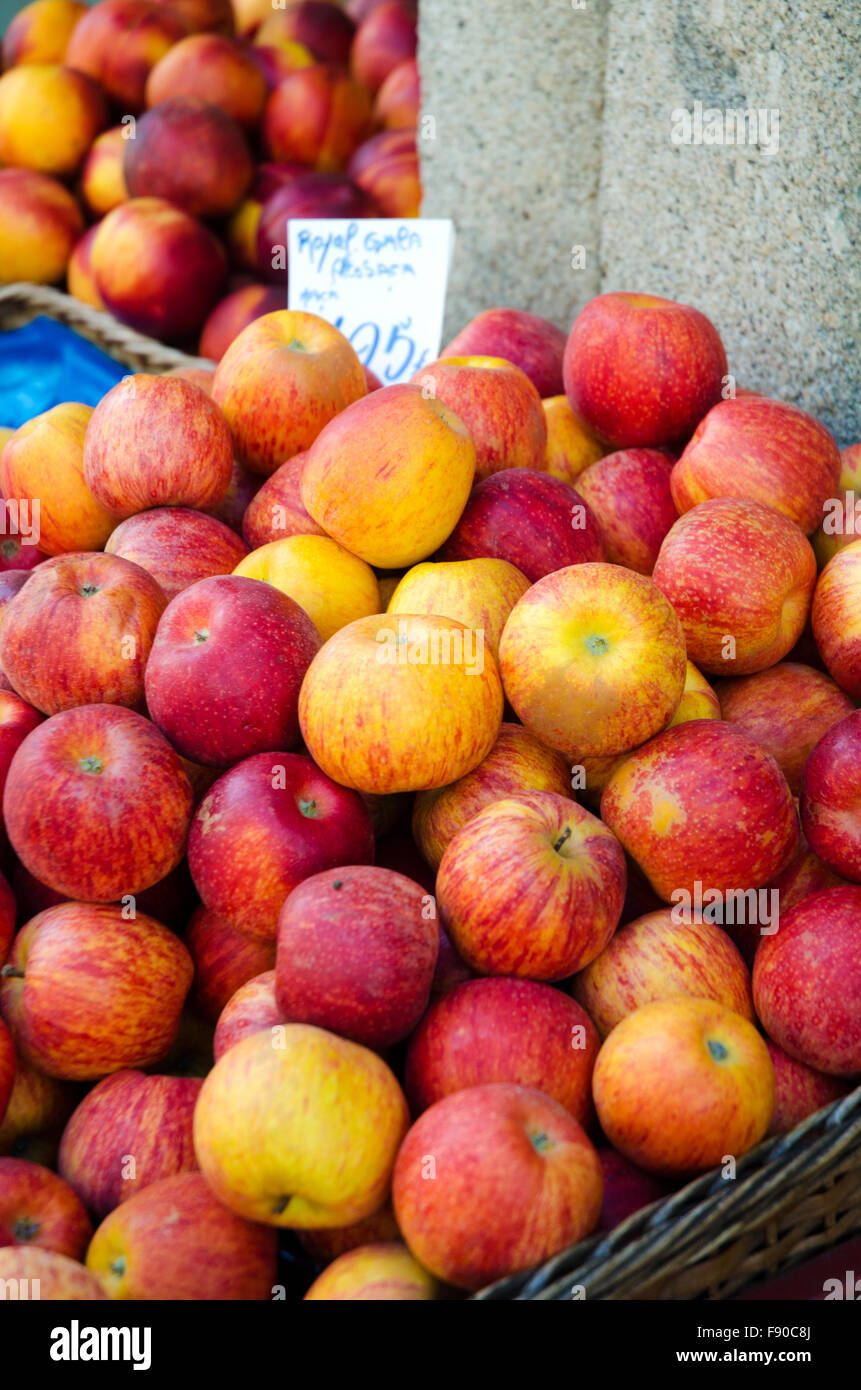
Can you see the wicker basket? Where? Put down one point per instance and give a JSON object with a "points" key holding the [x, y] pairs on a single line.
{"points": [[19, 303], [792, 1198]]}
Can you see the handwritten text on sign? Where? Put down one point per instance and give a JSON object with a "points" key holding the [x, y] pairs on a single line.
{"points": [[380, 280]]}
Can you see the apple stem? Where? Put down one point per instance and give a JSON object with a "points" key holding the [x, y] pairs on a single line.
{"points": [[566, 835], [12, 972]]}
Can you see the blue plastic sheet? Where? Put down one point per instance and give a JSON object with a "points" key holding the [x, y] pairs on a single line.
{"points": [[44, 363]]}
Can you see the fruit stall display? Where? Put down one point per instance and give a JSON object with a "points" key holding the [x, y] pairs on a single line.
{"points": [[152, 152]]}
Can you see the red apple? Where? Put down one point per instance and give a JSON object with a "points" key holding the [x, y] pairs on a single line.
{"points": [[177, 546], [267, 824], [174, 1240], [626, 1189], [8, 912], [277, 510], [499, 406], [7, 1067], [17, 720], [831, 798], [97, 803], [642, 371], [807, 982], [129, 1131], [835, 604], [537, 523], [532, 886], [532, 343], [243, 487], [504, 1030], [56, 1277], [242, 626], [629, 494], [80, 633], [38, 1209], [88, 991], [224, 960], [357, 949], [37, 1111], [252, 1009], [799, 1090], [514, 1181]]}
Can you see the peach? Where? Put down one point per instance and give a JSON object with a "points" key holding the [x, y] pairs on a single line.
{"points": [[479, 593], [389, 504], [312, 194], [836, 618], [763, 450], [156, 441], [386, 166], [211, 68], [49, 117], [44, 462], [383, 40], [661, 957], [242, 227], [330, 584], [280, 382], [317, 115], [103, 184], [570, 446], [276, 510], [323, 28], [202, 16], [40, 32], [276, 61], [192, 154], [118, 42], [702, 803], [177, 546], [641, 371], [629, 493], [741, 578], [80, 280], [499, 406], [786, 709], [398, 98], [234, 313], [40, 222], [157, 269]]}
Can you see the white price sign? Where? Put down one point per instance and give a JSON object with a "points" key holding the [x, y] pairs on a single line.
{"points": [[380, 280]]}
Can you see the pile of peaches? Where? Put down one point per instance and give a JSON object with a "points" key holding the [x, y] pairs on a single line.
{"points": [[152, 151], [431, 814]]}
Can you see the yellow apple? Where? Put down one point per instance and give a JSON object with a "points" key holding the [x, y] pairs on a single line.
{"points": [[331, 585]]}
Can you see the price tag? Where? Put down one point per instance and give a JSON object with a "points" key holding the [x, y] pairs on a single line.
{"points": [[380, 280]]}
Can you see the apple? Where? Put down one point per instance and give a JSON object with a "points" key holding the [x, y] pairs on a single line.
{"points": [[786, 709], [158, 270], [626, 1189], [49, 117], [516, 763], [504, 1030], [480, 594], [103, 185], [805, 873], [40, 31], [799, 1090], [38, 1209], [537, 523], [357, 950], [40, 223], [330, 584], [703, 804], [316, 115], [175, 1241], [224, 960], [839, 526], [254, 632], [681, 1083], [17, 720], [7, 1068], [129, 1131], [400, 703], [157, 441], [177, 546], [304, 1134], [211, 68], [531, 886], [252, 1009], [833, 617], [807, 982], [8, 911], [383, 39], [570, 448], [270, 822], [374, 1273], [276, 510], [763, 450], [532, 343], [593, 660], [659, 956], [88, 991], [515, 1180], [390, 504], [629, 494], [80, 633], [641, 371], [325, 1245], [243, 488], [499, 406], [285, 377], [830, 797], [97, 804], [740, 577], [47, 1275], [118, 42], [44, 462], [36, 1113]]}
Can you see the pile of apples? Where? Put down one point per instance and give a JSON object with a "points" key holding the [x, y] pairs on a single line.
{"points": [[358, 748], [155, 149]]}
